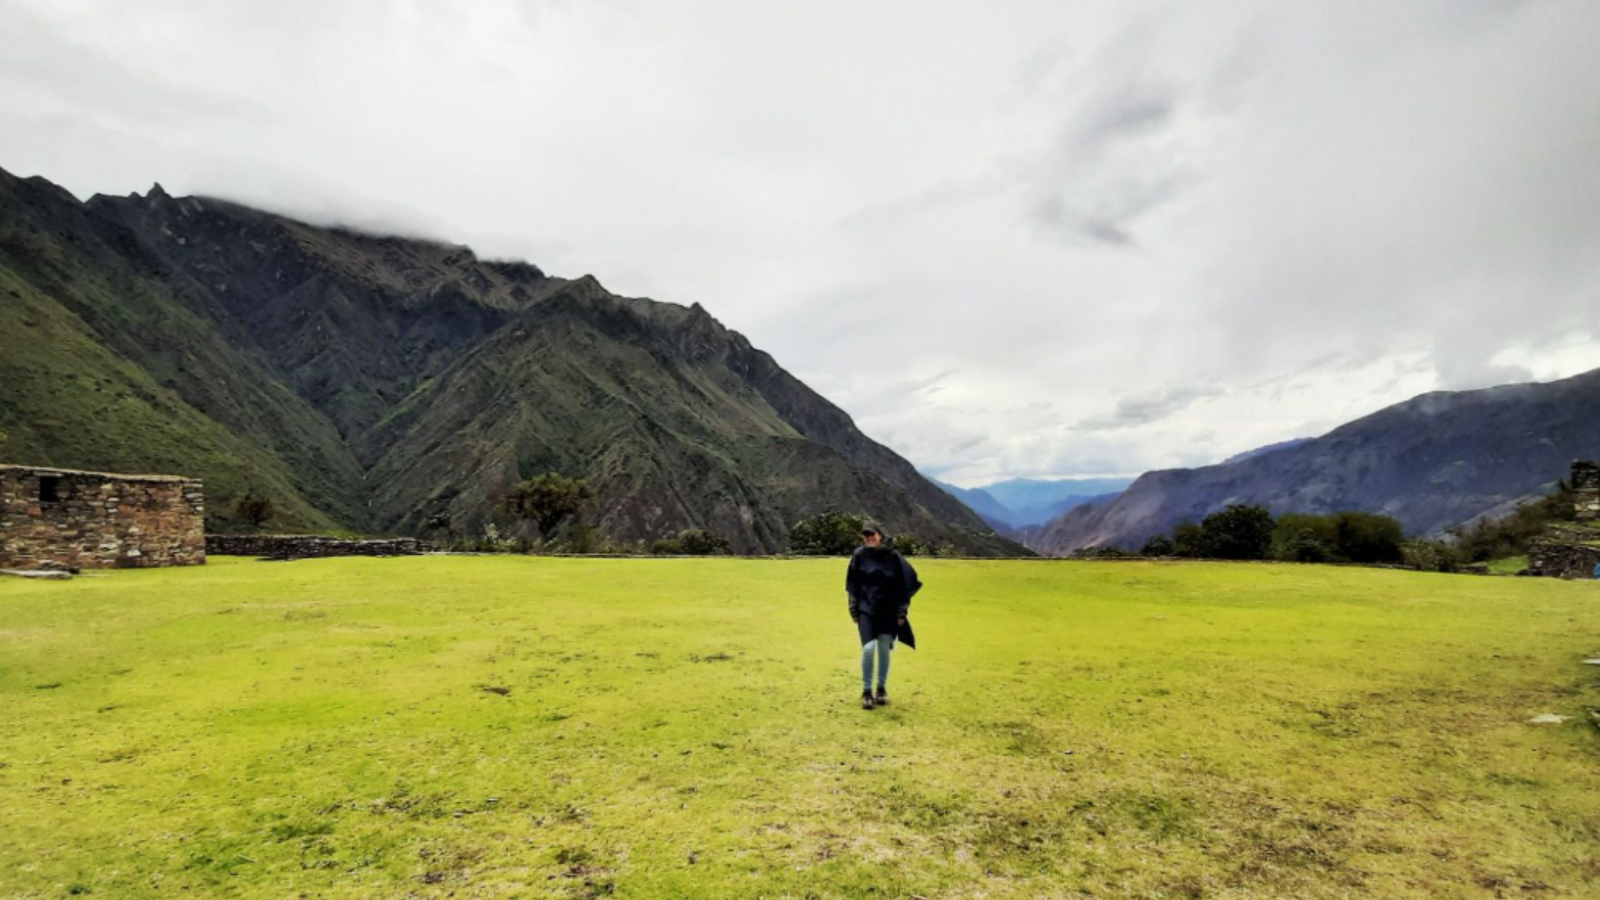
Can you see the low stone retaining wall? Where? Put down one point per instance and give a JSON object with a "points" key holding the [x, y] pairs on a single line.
{"points": [[1557, 560], [297, 546]]}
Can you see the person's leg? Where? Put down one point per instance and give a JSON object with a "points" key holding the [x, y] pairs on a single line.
{"points": [[869, 643], [885, 644]]}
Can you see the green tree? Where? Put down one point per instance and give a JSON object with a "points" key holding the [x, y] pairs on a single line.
{"points": [[254, 510], [1240, 531], [1364, 537], [1302, 537], [547, 500], [1357, 537], [828, 534], [1432, 556], [1187, 540], [911, 545], [1510, 535], [699, 542], [1160, 545]]}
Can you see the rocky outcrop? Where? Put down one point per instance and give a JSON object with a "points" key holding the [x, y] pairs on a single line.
{"points": [[299, 546]]}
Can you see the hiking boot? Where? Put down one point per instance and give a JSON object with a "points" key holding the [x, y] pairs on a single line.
{"points": [[883, 697], [866, 699]]}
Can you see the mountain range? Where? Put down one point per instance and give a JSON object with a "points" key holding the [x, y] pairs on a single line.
{"points": [[1017, 504], [1432, 462], [380, 384]]}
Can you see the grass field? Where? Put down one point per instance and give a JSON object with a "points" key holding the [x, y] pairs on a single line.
{"points": [[525, 727]]}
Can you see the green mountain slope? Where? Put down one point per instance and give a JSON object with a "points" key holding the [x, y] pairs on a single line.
{"points": [[102, 368], [379, 383]]}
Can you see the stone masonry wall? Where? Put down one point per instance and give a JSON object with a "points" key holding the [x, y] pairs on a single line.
{"points": [[295, 546], [1554, 559], [1586, 490], [61, 518]]}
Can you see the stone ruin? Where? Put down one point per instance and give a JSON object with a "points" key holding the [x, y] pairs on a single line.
{"points": [[1586, 490], [1568, 551], [65, 519]]}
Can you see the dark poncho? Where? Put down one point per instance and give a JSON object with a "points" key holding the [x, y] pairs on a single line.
{"points": [[880, 584]]}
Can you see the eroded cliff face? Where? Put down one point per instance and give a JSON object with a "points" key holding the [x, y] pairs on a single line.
{"points": [[381, 383]]}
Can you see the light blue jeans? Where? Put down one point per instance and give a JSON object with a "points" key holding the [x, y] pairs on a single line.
{"points": [[879, 646]]}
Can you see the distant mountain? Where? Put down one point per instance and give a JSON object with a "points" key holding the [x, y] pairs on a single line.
{"points": [[1431, 462], [979, 501], [1034, 501], [1262, 451], [381, 384]]}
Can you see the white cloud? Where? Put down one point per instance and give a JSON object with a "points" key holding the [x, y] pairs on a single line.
{"points": [[1212, 227]]}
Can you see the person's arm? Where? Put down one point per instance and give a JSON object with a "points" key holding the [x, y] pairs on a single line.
{"points": [[912, 584], [852, 585]]}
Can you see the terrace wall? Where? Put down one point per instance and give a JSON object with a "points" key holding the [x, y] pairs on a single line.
{"points": [[1554, 559], [296, 546]]}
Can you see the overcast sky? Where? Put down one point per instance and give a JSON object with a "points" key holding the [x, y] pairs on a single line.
{"points": [[1011, 238]]}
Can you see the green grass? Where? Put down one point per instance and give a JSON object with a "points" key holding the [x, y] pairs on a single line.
{"points": [[1509, 565], [526, 727]]}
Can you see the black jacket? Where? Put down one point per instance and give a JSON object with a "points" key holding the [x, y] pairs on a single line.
{"points": [[880, 583]]}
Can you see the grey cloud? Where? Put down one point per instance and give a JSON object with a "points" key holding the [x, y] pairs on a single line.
{"points": [[1142, 409], [1250, 219]]}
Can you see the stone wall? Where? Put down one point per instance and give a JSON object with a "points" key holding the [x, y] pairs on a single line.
{"points": [[1586, 490], [62, 518], [296, 546], [1554, 559]]}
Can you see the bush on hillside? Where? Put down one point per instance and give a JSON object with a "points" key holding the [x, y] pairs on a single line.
{"points": [[254, 510], [1368, 537], [1187, 540], [699, 542], [1431, 556], [1356, 537], [1160, 545], [1238, 532], [1300, 545], [1511, 534], [911, 545], [828, 534], [547, 500], [1101, 553]]}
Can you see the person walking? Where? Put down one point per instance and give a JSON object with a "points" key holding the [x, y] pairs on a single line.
{"points": [[879, 584]]}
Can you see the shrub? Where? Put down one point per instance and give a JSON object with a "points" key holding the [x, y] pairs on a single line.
{"points": [[1187, 540], [1300, 545], [254, 510], [1357, 537], [578, 536], [1368, 538], [547, 500], [1511, 534], [828, 534], [1100, 553], [1237, 532], [667, 547], [911, 545], [1160, 545], [699, 542], [1431, 556]]}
